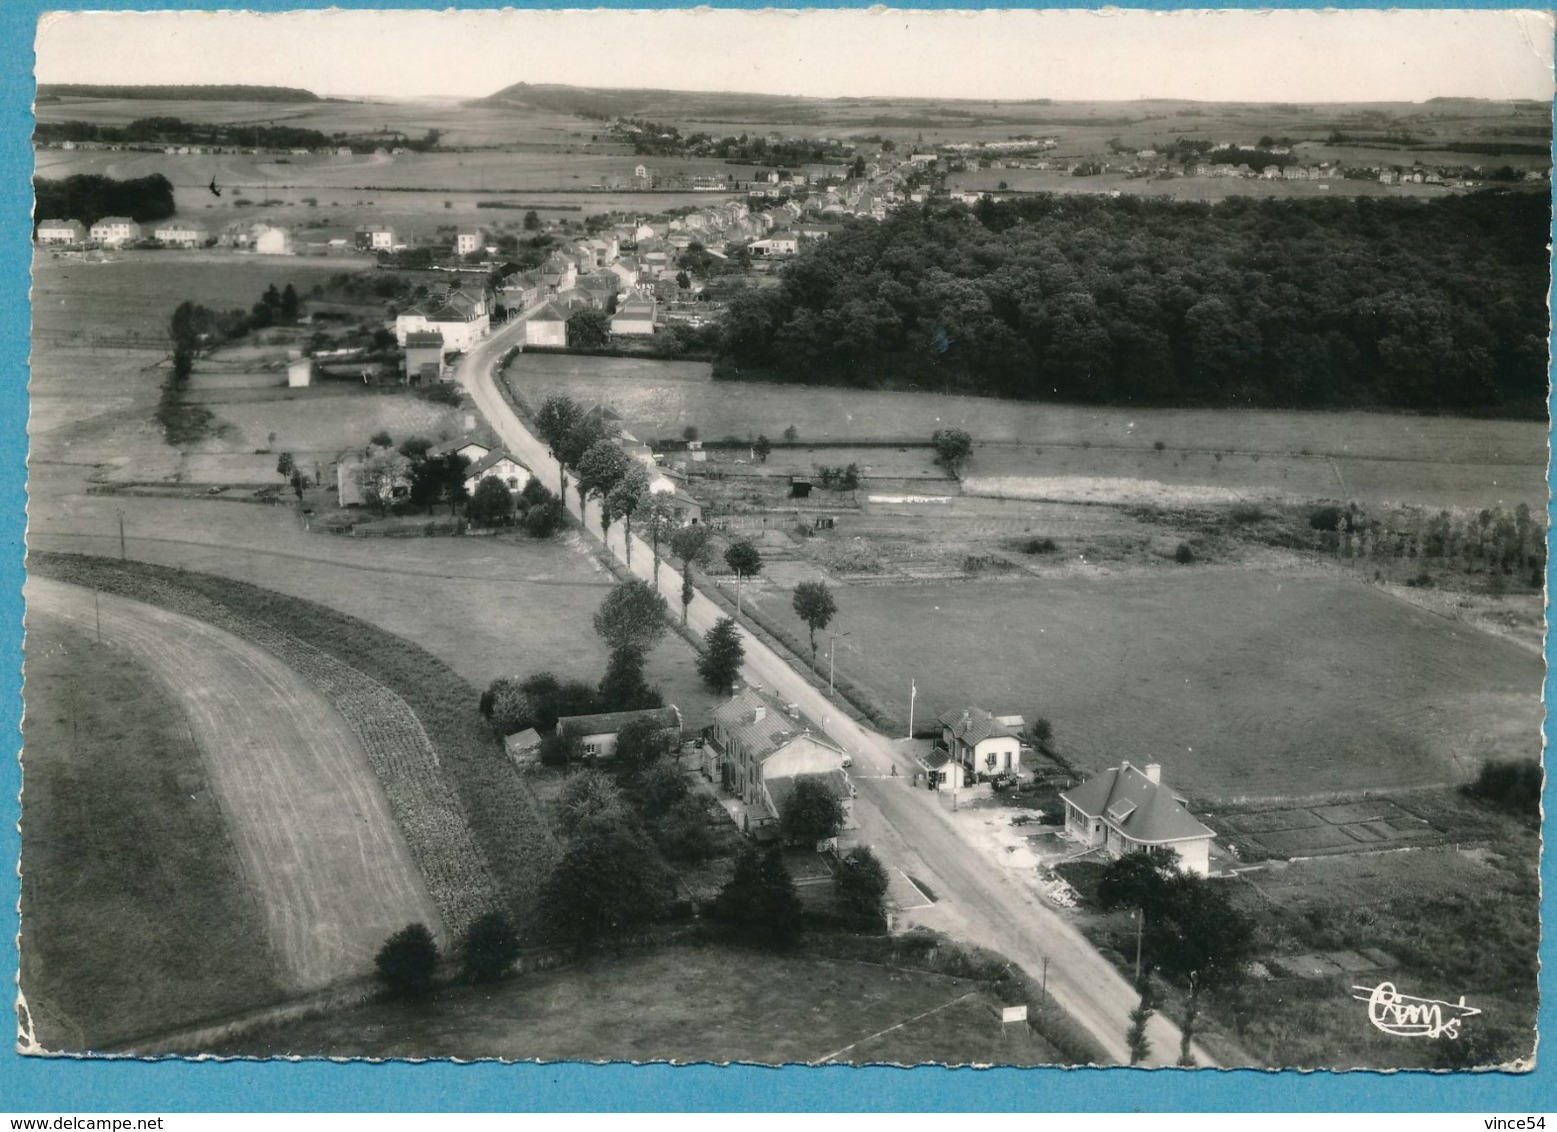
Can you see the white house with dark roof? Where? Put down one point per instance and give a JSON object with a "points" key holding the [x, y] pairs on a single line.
{"points": [[982, 743], [1127, 809], [180, 234], [115, 231], [546, 326], [500, 464], [596, 734], [462, 317], [61, 232]]}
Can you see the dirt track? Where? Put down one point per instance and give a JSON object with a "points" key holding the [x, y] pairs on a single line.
{"points": [[315, 835]]}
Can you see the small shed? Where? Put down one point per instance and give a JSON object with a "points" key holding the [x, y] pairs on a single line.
{"points": [[800, 487], [524, 747], [300, 373]]}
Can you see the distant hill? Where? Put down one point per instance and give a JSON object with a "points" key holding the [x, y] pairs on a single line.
{"points": [[235, 93], [593, 102]]}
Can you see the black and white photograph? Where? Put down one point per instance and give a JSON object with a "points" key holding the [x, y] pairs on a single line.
{"points": [[812, 537]]}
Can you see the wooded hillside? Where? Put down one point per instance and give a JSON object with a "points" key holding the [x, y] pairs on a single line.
{"points": [[1279, 303]]}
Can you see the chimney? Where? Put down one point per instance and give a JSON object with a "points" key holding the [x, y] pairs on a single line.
{"points": [[1154, 772], [759, 714]]}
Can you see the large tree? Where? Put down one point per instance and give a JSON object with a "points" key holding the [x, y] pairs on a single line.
{"points": [[812, 812], [815, 606], [723, 655], [861, 884], [600, 469], [625, 499], [760, 899], [632, 617], [589, 329], [381, 475], [492, 505], [555, 421], [623, 687], [952, 447]]}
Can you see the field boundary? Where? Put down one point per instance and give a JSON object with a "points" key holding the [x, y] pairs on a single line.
{"points": [[461, 809]]}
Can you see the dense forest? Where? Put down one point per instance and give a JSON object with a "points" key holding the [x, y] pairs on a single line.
{"points": [[1435, 305], [88, 198], [175, 131], [228, 93]]}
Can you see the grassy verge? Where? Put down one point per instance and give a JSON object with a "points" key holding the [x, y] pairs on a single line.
{"points": [[500, 814], [135, 915]]}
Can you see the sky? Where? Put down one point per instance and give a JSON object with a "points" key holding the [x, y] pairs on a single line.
{"points": [[1286, 56]]}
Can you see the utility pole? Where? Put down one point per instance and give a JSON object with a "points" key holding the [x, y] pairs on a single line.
{"points": [[122, 555], [913, 692], [98, 610], [737, 595]]}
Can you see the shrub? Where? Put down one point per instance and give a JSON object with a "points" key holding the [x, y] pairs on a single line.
{"points": [[491, 946], [407, 960], [1247, 513], [1326, 518], [861, 884], [1512, 785], [1183, 554], [1038, 545], [440, 393]]}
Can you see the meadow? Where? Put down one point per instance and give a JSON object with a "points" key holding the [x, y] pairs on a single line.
{"points": [[135, 911], [1443, 461], [1241, 683], [686, 1003]]}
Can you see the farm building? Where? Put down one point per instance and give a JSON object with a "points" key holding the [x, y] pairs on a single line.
{"points": [[761, 746], [635, 317], [596, 734], [115, 231], [61, 232], [523, 747], [546, 326], [462, 317], [982, 743], [423, 357], [1126, 809], [300, 373], [269, 240], [180, 234], [499, 464]]}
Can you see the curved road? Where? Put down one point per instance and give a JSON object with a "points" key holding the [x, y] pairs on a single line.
{"points": [[314, 834], [978, 901]]}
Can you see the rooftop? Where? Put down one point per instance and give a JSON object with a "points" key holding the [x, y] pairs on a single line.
{"points": [[611, 722], [972, 725], [1143, 810]]}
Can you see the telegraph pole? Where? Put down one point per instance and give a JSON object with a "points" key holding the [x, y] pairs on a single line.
{"points": [[98, 610], [913, 692]]}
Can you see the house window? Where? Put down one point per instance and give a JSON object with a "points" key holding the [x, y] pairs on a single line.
{"points": [[590, 749], [513, 483], [989, 760]]}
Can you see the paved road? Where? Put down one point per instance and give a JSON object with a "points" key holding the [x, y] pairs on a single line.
{"points": [[976, 900]]}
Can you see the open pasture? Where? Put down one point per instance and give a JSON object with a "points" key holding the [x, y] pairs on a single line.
{"points": [[1242, 684], [322, 426], [1176, 188], [686, 1003], [136, 914], [1437, 461]]}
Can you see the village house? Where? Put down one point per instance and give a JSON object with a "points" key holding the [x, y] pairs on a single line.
{"points": [[520, 291], [462, 317], [467, 241], [423, 357], [375, 238], [780, 245], [180, 234], [983, 744], [596, 735], [474, 451], [1126, 809], [61, 232], [635, 317], [269, 240], [115, 231], [546, 326], [762, 749], [497, 464]]}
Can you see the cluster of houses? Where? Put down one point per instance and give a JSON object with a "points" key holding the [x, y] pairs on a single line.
{"points": [[122, 232]]}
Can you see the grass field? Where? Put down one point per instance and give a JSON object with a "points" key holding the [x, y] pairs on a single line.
{"points": [[1379, 457], [688, 1003], [135, 911], [1240, 683]]}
